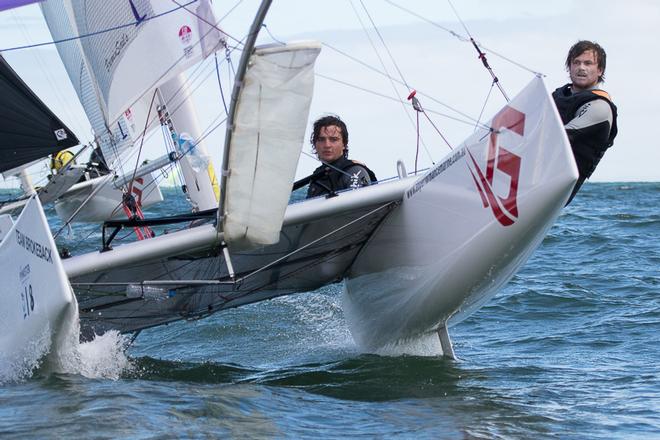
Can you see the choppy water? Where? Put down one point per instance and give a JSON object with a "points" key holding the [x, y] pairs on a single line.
{"points": [[569, 349]]}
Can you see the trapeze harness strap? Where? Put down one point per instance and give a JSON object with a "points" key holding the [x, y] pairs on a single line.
{"points": [[588, 142]]}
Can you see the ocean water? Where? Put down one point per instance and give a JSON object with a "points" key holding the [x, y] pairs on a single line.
{"points": [[569, 349]]}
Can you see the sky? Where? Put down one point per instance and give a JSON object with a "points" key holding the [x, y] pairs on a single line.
{"points": [[445, 70]]}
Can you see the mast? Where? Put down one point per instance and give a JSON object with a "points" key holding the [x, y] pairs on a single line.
{"points": [[238, 84]]}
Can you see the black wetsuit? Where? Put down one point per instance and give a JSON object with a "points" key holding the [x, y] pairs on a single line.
{"points": [[327, 179], [590, 127]]}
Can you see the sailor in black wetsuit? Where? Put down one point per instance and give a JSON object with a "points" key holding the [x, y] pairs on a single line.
{"points": [[587, 112], [330, 142]]}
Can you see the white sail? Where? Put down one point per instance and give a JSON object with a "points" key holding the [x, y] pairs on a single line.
{"points": [[267, 139], [131, 47], [125, 51], [113, 140]]}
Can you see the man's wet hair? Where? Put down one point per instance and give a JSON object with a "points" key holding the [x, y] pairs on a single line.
{"points": [[327, 121], [583, 46]]}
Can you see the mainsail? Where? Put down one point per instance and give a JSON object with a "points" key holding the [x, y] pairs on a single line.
{"points": [[28, 129], [125, 59], [119, 37], [113, 140]]}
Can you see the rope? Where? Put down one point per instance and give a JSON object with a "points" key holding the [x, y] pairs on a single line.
{"points": [[445, 105], [382, 63], [418, 107], [137, 160], [326, 163]]}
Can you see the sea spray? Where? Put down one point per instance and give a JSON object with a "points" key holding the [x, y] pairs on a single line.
{"points": [[20, 365], [423, 345], [102, 357]]}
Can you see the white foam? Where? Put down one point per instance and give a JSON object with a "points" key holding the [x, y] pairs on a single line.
{"points": [[423, 345], [103, 357], [20, 365]]}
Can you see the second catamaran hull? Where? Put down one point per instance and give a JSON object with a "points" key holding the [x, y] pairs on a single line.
{"points": [[464, 228], [106, 203]]}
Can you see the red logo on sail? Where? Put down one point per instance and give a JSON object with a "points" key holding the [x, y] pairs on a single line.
{"points": [[185, 34], [504, 209]]}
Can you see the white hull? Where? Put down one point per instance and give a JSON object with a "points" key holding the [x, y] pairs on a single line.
{"points": [[38, 304], [106, 203], [443, 254]]}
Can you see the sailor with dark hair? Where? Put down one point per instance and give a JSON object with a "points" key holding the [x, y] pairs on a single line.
{"points": [[329, 141], [588, 113]]}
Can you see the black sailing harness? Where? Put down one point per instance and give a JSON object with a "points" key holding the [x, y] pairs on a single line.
{"points": [[328, 178], [588, 144]]}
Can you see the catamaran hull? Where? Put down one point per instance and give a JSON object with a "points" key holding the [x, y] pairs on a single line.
{"points": [[106, 203], [38, 305], [465, 228]]}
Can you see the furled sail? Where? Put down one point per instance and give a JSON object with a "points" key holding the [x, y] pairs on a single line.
{"points": [[266, 142], [28, 129]]}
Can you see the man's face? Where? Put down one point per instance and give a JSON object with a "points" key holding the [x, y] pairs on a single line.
{"points": [[584, 71], [329, 143]]}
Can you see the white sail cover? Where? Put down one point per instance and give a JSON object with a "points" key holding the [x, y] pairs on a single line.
{"points": [[269, 129], [129, 48], [36, 297]]}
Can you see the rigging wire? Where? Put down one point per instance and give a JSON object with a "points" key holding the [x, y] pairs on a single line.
{"points": [[114, 28], [137, 161], [382, 63], [443, 104], [483, 108], [222, 94], [482, 55], [271, 35], [464, 39], [468, 121], [382, 40]]}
